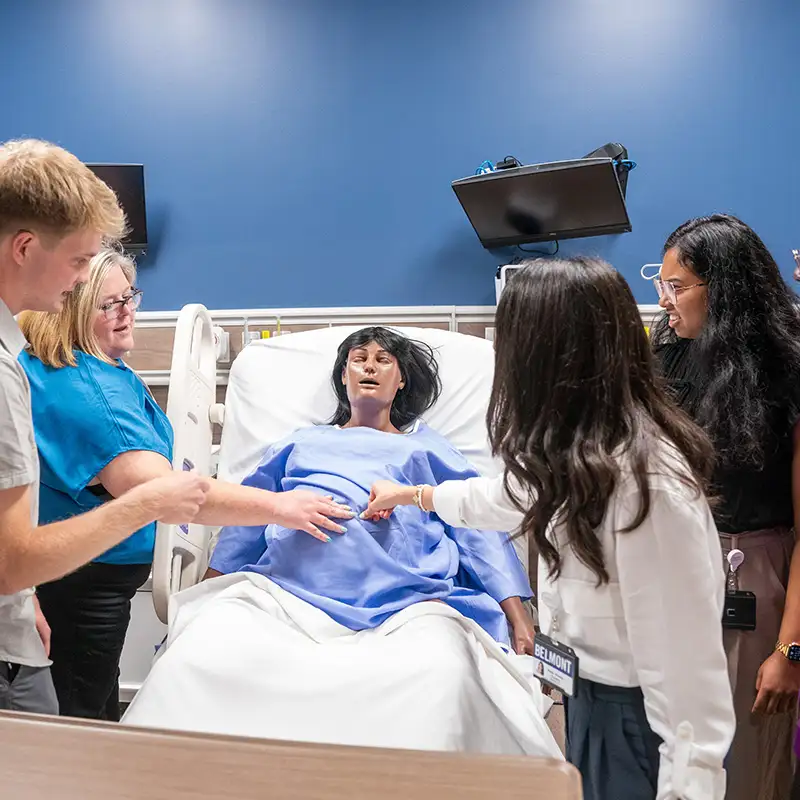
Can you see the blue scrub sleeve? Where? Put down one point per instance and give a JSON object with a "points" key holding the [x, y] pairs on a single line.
{"points": [[240, 545]]}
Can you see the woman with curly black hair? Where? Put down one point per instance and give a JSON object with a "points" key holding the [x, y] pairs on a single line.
{"points": [[729, 346]]}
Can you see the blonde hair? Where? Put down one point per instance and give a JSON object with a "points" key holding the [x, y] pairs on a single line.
{"points": [[49, 189], [54, 336]]}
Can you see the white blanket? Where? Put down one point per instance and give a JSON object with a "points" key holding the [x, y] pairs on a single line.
{"points": [[245, 657]]}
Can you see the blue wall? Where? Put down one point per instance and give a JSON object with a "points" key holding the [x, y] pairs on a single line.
{"points": [[300, 152]]}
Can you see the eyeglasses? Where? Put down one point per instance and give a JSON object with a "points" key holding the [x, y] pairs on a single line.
{"points": [[669, 290], [114, 308], [665, 288]]}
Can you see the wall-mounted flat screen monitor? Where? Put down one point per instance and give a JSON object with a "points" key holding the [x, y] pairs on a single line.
{"points": [[544, 202], [127, 180]]}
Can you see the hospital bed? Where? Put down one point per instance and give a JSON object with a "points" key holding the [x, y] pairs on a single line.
{"points": [[181, 554], [45, 758], [276, 386]]}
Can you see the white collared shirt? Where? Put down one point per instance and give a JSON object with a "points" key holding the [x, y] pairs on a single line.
{"points": [[657, 622]]}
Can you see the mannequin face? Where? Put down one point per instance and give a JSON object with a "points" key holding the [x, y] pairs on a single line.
{"points": [[372, 377]]}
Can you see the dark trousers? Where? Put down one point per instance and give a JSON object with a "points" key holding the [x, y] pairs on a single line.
{"points": [[89, 612], [611, 743]]}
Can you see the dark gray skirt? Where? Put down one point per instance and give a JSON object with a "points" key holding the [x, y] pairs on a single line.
{"points": [[611, 743]]}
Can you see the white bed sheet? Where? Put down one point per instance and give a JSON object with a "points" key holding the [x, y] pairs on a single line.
{"points": [[245, 657]]}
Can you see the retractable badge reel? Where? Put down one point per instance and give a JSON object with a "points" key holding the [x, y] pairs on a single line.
{"points": [[739, 612], [556, 664]]}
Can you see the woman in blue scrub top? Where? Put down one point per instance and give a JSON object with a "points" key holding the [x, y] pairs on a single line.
{"points": [[99, 433]]}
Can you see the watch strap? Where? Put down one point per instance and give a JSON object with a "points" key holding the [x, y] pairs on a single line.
{"points": [[785, 648]]}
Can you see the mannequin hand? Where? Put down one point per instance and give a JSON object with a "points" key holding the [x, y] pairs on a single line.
{"points": [[521, 624], [777, 685], [522, 634]]}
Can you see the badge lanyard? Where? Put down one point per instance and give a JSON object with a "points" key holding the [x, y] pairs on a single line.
{"points": [[556, 664], [739, 611]]}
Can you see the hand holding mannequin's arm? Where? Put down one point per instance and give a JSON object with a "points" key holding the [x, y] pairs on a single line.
{"points": [[481, 503]]}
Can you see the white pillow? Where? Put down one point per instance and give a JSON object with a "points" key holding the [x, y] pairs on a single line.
{"points": [[279, 385]]}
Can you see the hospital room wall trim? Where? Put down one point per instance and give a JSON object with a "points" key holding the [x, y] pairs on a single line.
{"points": [[155, 330], [159, 319], [154, 339], [324, 315]]}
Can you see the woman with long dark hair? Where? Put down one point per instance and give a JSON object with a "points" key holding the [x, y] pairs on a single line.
{"points": [[729, 347], [606, 476]]}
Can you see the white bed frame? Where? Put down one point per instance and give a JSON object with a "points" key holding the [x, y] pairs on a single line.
{"points": [[180, 557]]}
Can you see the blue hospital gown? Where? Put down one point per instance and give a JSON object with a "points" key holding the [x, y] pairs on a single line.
{"points": [[363, 577]]}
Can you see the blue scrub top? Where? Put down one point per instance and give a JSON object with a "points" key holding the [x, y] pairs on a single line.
{"points": [[84, 417]]}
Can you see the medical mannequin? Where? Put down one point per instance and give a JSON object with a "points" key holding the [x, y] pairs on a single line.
{"points": [[607, 477]]}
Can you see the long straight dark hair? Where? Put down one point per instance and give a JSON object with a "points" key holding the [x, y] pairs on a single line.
{"points": [[748, 352], [574, 389]]}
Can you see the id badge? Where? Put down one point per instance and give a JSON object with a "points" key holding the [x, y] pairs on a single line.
{"points": [[739, 611], [556, 665]]}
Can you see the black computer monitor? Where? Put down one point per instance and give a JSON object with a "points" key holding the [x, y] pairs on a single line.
{"points": [[127, 180], [544, 202]]}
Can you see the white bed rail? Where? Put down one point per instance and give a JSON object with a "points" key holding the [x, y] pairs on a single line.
{"points": [[180, 551]]}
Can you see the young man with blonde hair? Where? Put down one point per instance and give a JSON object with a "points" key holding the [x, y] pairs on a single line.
{"points": [[54, 216]]}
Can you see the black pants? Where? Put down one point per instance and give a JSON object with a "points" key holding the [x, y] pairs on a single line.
{"points": [[611, 742], [89, 612]]}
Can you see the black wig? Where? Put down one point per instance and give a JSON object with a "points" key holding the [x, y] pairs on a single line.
{"points": [[418, 368]]}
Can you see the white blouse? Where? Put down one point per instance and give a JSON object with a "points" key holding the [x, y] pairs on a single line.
{"points": [[657, 622]]}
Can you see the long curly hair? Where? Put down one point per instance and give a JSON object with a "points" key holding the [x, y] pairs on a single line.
{"points": [[574, 390], [748, 352]]}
